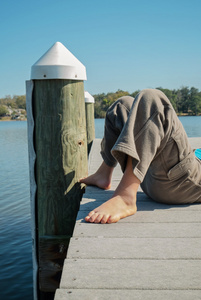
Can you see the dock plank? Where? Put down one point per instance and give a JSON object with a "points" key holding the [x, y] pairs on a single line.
{"points": [[132, 294], [139, 230], [157, 257], [136, 248], [131, 274]]}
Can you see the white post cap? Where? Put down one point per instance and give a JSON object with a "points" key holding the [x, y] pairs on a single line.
{"points": [[58, 63], [88, 97]]}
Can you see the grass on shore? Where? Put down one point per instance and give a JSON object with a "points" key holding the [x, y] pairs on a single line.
{"points": [[6, 118]]}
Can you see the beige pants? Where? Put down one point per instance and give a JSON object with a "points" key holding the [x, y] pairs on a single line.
{"points": [[148, 130]]}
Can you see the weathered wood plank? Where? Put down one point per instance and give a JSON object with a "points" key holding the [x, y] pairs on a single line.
{"points": [[136, 248], [195, 142], [131, 274], [139, 230], [131, 294]]}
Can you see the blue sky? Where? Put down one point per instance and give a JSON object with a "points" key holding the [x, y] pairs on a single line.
{"points": [[126, 45]]}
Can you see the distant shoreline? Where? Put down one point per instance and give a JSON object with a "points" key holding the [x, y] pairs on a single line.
{"points": [[7, 119]]}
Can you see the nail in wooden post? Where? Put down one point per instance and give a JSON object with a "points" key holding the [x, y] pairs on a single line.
{"points": [[89, 108], [57, 130]]}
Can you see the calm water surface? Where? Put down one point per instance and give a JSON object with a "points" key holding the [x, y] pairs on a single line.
{"points": [[15, 238], [192, 125]]}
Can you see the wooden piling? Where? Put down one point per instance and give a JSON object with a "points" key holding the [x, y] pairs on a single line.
{"points": [[90, 127], [60, 145]]}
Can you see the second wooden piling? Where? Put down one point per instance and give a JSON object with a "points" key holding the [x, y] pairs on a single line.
{"points": [[90, 127]]}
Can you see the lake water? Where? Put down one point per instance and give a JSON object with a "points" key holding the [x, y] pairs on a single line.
{"points": [[15, 238]]}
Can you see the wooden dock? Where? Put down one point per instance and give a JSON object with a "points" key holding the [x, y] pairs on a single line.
{"points": [[155, 254]]}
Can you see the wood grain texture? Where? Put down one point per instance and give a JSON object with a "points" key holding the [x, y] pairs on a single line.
{"points": [[61, 150]]}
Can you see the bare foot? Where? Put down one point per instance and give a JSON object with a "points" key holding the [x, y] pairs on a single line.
{"points": [[112, 211], [102, 177], [123, 202]]}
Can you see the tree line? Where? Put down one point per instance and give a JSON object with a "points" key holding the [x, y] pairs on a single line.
{"points": [[13, 103], [186, 101]]}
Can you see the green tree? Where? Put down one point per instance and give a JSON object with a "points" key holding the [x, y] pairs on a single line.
{"points": [[194, 101], [3, 110], [20, 101], [183, 99], [103, 102], [6, 100]]}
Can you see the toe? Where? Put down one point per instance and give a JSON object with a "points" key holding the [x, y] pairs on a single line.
{"points": [[105, 219], [98, 219], [87, 218], [91, 213], [93, 218]]}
